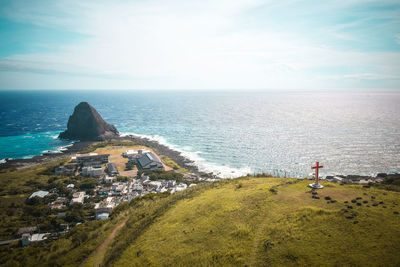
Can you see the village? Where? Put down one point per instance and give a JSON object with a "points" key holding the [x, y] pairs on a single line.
{"points": [[119, 176]]}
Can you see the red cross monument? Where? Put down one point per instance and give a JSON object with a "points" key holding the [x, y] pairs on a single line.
{"points": [[316, 184]]}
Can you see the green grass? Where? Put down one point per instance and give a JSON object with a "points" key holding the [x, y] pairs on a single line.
{"points": [[250, 225], [70, 250], [169, 162], [25, 180], [92, 147], [248, 221]]}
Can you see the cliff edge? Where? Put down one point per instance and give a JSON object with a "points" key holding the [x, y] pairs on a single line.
{"points": [[86, 124]]}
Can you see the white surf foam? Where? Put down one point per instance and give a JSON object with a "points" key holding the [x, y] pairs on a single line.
{"points": [[58, 149], [223, 171], [64, 148]]}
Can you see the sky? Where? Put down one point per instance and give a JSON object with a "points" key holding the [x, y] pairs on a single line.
{"points": [[208, 44]]}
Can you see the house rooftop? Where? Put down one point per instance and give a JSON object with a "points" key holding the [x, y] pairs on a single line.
{"points": [[86, 155], [148, 158], [38, 237], [40, 194], [112, 167]]}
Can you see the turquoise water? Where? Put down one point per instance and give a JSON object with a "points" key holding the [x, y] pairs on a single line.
{"points": [[229, 133], [29, 145]]}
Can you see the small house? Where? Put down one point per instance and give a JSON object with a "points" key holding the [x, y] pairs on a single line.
{"points": [[59, 203], [155, 184], [39, 237], [137, 187], [112, 169], [108, 179], [130, 153], [180, 187], [78, 197], [40, 194], [171, 183], [103, 213]]}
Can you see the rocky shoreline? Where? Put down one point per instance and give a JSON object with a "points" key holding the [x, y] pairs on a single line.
{"points": [[80, 146], [161, 149]]}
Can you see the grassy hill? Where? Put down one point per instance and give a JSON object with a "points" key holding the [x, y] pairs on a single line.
{"points": [[263, 221], [247, 221]]}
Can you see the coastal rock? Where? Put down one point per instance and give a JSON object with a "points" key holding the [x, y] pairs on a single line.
{"points": [[86, 124]]}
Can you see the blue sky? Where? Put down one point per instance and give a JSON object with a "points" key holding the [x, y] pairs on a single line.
{"points": [[210, 44]]}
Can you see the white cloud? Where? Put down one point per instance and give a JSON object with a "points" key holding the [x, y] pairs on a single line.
{"points": [[183, 44]]}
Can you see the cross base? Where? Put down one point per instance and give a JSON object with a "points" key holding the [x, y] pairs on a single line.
{"points": [[316, 186]]}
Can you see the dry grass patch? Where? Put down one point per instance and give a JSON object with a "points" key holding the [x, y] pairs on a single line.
{"points": [[117, 158], [243, 222]]}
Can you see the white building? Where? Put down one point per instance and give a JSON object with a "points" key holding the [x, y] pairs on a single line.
{"points": [[28, 238], [130, 153], [171, 183], [109, 179], [119, 188], [40, 194], [137, 187], [78, 197], [110, 202], [102, 213], [92, 171], [155, 184], [179, 187]]}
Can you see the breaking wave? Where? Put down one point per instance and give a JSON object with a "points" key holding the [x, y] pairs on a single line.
{"points": [[223, 171]]}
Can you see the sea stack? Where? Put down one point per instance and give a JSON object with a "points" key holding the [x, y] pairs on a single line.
{"points": [[86, 124]]}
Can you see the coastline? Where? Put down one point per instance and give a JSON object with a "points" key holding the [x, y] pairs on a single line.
{"points": [[162, 149], [166, 151], [25, 163], [77, 147]]}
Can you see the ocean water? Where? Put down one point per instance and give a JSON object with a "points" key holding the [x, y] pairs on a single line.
{"points": [[228, 133]]}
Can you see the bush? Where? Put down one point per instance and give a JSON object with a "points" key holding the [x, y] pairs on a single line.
{"points": [[129, 166], [88, 183], [120, 208], [163, 175], [74, 216]]}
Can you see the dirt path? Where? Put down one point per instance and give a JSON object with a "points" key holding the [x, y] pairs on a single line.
{"points": [[97, 256]]}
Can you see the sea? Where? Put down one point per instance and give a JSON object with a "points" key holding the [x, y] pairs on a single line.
{"points": [[229, 133]]}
